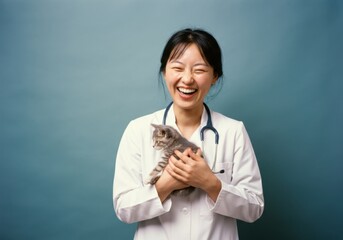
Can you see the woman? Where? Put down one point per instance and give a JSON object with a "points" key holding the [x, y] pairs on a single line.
{"points": [[227, 178]]}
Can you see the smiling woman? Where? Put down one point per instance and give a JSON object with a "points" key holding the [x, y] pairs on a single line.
{"points": [[188, 79], [190, 65], [209, 50]]}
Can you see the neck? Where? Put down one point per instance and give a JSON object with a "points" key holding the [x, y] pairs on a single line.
{"points": [[188, 120]]}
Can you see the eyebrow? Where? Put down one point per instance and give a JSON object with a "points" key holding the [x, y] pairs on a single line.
{"points": [[195, 65], [200, 64]]}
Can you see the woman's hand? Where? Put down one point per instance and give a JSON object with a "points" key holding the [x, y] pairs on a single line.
{"points": [[193, 170], [166, 184]]}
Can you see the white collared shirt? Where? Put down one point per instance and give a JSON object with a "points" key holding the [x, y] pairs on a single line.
{"points": [[196, 216]]}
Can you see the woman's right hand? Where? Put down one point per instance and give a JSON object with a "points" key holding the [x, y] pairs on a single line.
{"points": [[166, 184]]}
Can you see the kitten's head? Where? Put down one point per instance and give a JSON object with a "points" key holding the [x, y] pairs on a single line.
{"points": [[163, 136]]}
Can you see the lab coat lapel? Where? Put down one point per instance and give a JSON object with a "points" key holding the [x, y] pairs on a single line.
{"points": [[170, 120]]}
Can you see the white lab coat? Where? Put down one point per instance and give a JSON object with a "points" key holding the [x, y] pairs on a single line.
{"points": [[195, 217]]}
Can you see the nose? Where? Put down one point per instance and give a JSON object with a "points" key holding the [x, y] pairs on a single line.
{"points": [[187, 77]]}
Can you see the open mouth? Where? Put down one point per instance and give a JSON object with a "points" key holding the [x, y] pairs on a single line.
{"points": [[187, 91]]}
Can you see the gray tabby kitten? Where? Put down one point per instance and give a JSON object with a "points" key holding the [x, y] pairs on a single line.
{"points": [[168, 139]]}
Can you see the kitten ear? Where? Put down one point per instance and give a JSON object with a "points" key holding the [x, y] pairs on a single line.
{"points": [[171, 132], [154, 125], [167, 133]]}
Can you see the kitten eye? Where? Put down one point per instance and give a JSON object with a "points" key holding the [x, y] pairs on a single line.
{"points": [[163, 132]]}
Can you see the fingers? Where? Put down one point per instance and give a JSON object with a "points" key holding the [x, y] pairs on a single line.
{"points": [[182, 156], [195, 156], [176, 169], [199, 152], [188, 155], [186, 160], [177, 165]]}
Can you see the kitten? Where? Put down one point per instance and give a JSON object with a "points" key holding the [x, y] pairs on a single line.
{"points": [[168, 139]]}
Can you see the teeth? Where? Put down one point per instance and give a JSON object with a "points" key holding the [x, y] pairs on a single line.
{"points": [[187, 90]]}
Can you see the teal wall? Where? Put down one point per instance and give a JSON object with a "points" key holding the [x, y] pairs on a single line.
{"points": [[74, 72]]}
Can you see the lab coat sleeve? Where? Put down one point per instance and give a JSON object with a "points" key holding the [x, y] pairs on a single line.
{"points": [[133, 201], [242, 197]]}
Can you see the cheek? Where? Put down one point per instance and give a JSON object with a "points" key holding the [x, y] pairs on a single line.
{"points": [[171, 79], [171, 76], [204, 83]]}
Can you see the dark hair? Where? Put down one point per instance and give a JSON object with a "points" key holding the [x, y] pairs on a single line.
{"points": [[207, 44]]}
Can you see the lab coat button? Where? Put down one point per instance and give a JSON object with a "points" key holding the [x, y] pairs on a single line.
{"points": [[184, 211]]}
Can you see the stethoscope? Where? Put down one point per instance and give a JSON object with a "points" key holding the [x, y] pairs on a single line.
{"points": [[208, 126]]}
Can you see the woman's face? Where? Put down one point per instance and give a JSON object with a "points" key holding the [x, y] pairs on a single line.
{"points": [[189, 78]]}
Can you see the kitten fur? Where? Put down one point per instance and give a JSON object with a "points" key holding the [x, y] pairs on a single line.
{"points": [[168, 139]]}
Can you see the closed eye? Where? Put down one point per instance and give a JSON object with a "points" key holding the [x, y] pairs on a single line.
{"points": [[200, 71], [177, 69]]}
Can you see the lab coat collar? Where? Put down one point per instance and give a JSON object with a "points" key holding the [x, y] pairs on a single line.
{"points": [[171, 121]]}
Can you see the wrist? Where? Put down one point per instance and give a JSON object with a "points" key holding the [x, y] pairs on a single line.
{"points": [[213, 188], [163, 189]]}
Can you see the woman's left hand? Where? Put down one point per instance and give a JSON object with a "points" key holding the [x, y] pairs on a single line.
{"points": [[193, 170]]}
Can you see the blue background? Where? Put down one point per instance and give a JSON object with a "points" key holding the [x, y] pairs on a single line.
{"points": [[73, 73]]}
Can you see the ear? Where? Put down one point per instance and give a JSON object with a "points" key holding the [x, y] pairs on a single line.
{"points": [[214, 80], [168, 132], [154, 125]]}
